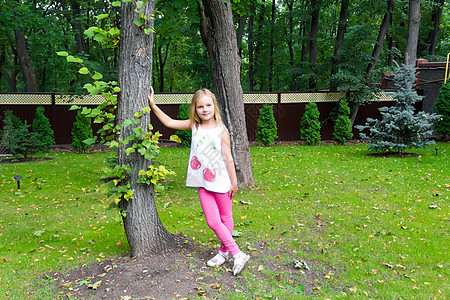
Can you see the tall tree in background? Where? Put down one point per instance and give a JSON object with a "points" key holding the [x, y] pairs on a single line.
{"points": [[145, 232], [339, 43], [219, 35], [434, 32], [413, 32], [380, 40], [312, 46]]}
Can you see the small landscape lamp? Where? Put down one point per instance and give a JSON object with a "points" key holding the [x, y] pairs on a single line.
{"points": [[437, 149], [17, 178]]}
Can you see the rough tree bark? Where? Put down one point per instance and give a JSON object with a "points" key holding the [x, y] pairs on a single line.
{"points": [[413, 32], [143, 228], [436, 19], [29, 75], [218, 34]]}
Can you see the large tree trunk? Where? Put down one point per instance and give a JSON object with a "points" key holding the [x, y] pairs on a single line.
{"points": [[219, 36], [413, 32], [290, 37], [77, 25], [436, 19], [339, 44], [380, 40], [143, 228], [313, 32], [25, 62]]}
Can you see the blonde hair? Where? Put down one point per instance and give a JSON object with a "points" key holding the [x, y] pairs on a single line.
{"points": [[193, 116]]}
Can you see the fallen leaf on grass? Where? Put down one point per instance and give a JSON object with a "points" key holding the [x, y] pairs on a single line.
{"points": [[260, 268], [95, 285]]}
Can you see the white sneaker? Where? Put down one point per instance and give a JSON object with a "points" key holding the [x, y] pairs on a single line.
{"points": [[240, 260], [218, 260]]}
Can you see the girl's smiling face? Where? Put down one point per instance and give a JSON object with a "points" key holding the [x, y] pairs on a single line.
{"points": [[205, 108]]}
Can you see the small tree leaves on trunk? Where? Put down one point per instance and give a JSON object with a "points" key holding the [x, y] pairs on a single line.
{"points": [[400, 127]]}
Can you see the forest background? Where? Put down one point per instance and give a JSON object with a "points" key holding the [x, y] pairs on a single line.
{"points": [[285, 45]]}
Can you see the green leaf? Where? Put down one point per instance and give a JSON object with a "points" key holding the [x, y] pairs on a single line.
{"points": [[237, 233], [90, 32], [175, 138], [116, 3], [38, 232], [127, 123], [101, 16], [74, 107], [146, 109], [140, 4], [114, 31], [62, 53], [90, 141], [129, 150], [149, 30], [139, 22], [97, 76], [83, 70]]}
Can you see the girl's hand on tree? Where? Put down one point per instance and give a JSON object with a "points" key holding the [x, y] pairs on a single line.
{"points": [[151, 97]]}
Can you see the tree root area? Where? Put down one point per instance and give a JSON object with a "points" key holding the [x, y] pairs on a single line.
{"points": [[180, 273]]}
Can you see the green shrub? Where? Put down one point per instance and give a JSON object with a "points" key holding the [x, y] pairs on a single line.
{"points": [[81, 131], [266, 132], [442, 107], [16, 137], [343, 126], [184, 135], [41, 126], [310, 125]]}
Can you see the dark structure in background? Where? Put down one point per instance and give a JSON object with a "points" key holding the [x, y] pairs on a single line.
{"points": [[287, 114]]}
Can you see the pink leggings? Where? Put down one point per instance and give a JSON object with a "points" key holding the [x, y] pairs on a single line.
{"points": [[219, 217]]}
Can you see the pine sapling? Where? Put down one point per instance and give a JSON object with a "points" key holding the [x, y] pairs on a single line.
{"points": [[81, 131], [442, 107], [310, 125], [266, 132], [343, 126], [44, 132]]}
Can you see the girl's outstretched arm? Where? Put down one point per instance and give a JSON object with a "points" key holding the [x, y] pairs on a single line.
{"points": [[165, 119], [229, 162]]}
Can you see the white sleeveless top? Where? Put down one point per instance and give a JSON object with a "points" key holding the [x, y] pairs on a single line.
{"points": [[206, 166]]}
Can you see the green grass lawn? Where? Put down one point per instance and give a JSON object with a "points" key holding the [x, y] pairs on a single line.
{"points": [[371, 227]]}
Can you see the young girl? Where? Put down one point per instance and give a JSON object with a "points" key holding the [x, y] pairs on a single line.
{"points": [[211, 170]]}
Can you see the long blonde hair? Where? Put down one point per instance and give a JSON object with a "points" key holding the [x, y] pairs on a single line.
{"points": [[193, 116]]}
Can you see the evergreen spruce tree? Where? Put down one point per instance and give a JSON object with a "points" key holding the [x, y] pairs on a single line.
{"points": [[310, 125], [400, 127], [81, 130], [184, 135], [266, 132], [343, 126], [16, 137], [44, 133], [442, 107]]}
